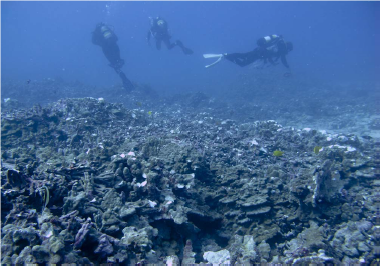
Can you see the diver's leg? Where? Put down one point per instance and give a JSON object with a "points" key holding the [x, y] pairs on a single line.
{"points": [[108, 54], [243, 59], [158, 44], [127, 84], [184, 49], [116, 56], [112, 53], [168, 44]]}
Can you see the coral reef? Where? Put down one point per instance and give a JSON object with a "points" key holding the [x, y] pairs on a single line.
{"points": [[88, 181]]}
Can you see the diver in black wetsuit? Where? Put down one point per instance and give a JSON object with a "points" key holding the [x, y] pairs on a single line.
{"points": [[104, 36], [159, 30], [270, 49]]}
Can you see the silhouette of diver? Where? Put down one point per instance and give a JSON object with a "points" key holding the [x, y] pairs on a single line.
{"points": [[270, 49], [105, 37], [159, 30]]}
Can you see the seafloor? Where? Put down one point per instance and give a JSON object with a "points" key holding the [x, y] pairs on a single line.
{"points": [[270, 171]]}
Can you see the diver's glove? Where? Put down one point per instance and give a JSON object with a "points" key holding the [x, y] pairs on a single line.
{"points": [[219, 56]]}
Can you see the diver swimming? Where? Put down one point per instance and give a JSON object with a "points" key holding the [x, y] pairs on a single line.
{"points": [[270, 49], [160, 31], [105, 37]]}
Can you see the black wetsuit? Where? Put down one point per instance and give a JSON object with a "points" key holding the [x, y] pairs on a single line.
{"points": [[107, 39], [271, 52], [159, 30]]}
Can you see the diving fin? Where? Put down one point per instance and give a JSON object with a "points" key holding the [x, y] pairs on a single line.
{"points": [[187, 50], [212, 55], [184, 49], [219, 56], [127, 84]]}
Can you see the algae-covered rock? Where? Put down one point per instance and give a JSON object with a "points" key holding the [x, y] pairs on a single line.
{"points": [[264, 250], [56, 244], [310, 239], [259, 211], [126, 212], [25, 257], [104, 248], [221, 257], [41, 253], [141, 239], [248, 254], [347, 239], [6, 249], [130, 186], [243, 249], [25, 237], [254, 201], [179, 214], [75, 202]]}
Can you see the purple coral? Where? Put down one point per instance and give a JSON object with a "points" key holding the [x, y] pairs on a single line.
{"points": [[82, 233]]}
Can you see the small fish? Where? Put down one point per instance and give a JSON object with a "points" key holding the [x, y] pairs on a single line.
{"points": [[28, 81], [46, 196], [278, 153], [139, 104], [150, 113], [317, 149]]}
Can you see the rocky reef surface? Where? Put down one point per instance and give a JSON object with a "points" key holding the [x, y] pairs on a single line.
{"points": [[173, 181]]}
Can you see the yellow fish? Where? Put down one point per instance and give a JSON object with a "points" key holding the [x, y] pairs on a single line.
{"points": [[317, 149], [278, 153]]}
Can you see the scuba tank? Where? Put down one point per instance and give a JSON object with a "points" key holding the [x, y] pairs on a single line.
{"points": [[268, 40], [106, 32], [161, 23]]}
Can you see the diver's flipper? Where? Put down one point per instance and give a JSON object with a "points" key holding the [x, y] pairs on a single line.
{"points": [[212, 55], [184, 49], [219, 56], [127, 84], [187, 50]]}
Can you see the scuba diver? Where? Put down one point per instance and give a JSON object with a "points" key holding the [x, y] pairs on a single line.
{"points": [[159, 30], [270, 49], [104, 36]]}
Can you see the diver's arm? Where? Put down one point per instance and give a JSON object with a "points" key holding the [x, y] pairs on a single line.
{"points": [[95, 37], [282, 53], [148, 36], [284, 61]]}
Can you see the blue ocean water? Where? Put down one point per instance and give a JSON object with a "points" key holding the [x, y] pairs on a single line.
{"points": [[258, 162], [336, 41]]}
